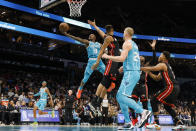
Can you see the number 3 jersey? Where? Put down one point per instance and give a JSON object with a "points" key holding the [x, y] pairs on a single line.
{"points": [[93, 49], [132, 62]]}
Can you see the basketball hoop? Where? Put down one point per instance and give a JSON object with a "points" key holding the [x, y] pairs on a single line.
{"points": [[75, 7]]}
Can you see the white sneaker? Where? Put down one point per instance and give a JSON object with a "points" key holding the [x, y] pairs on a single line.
{"points": [[99, 112], [93, 109], [179, 127], [126, 126], [145, 115], [153, 126]]}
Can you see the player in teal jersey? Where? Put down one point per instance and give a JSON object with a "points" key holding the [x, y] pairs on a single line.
{"points": [[93, 49], [40, 105], [131, 67]]}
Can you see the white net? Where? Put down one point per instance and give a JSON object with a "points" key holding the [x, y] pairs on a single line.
{"points": [[75, 7]]}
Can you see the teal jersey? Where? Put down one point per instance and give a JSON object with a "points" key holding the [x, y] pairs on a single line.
{"points": [[43, 94], [93, 49], [132, 62]]}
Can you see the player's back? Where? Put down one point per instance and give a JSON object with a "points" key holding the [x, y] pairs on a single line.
{"points": [[168, 76], [93, 49], [132, 62], [43, 94]]}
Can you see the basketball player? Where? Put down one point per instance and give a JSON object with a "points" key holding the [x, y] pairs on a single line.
{"points": [[40, 105], [131, 67], [112, 67], [140, 92], [169, 94], [93, 49]]}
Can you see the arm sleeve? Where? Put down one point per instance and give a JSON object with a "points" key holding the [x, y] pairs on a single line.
{"points": [[153, 61]]}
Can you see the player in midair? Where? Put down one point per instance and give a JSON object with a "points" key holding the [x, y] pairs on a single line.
{"points": [[169, 93], [109, 77], [41, 104], [93, 49], [131, 67]]}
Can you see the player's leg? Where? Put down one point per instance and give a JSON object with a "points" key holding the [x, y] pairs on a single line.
{"points": [[42, 107], [34, 113], [35, 123], [169, 103], [144, 96], [135, 97], [127, 85], [87, 74], [101, 69]]}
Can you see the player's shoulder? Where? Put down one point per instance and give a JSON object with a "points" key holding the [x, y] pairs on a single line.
{"points": [[109, 37]]}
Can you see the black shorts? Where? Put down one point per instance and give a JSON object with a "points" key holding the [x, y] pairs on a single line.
{"points": [[140, 91], [168, 95], [110, 74]]}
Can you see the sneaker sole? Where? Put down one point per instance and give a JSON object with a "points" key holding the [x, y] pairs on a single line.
{"points": [[126, 128], [148, 116]]}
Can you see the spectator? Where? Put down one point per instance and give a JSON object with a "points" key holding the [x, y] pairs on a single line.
{"points": [[10, 93], [193, 118], [22, 97], [105, 106], [69, 100]]}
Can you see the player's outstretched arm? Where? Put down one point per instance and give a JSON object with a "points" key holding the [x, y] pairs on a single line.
{"points": [[51, 101], [126, 48], [37, 94], [158, 67], [100, 32], [84, 41], [107, 41]]}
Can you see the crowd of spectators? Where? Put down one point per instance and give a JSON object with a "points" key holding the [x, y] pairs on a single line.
{"points": [[18, 87]]}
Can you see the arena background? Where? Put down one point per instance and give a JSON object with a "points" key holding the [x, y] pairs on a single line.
{"points": [[62, 61]]}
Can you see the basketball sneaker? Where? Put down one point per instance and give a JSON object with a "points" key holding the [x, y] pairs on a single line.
{"points": [[179, 127], [79, 93], [34, 124], [53, 113], [126, 126], [153, 126], [112, 86], [93, 109], [145, 115]]}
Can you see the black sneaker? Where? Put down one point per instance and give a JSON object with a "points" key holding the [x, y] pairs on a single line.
{"points": [[145, 115], [126, 126]]}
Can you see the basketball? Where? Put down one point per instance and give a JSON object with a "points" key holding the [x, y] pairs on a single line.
{"points": [[63, 27]]}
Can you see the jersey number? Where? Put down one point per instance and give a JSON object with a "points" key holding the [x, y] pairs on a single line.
{"points": [[136, 56], [95, 51]]}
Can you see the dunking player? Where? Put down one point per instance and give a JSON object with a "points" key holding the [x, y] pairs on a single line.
{"points": [[93, 49], [169, 94], [40, 105], [112, 67], [131, 66]]}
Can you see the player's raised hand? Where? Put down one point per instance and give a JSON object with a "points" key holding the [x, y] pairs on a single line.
{"points": [[92, 22], [153, 44]]}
